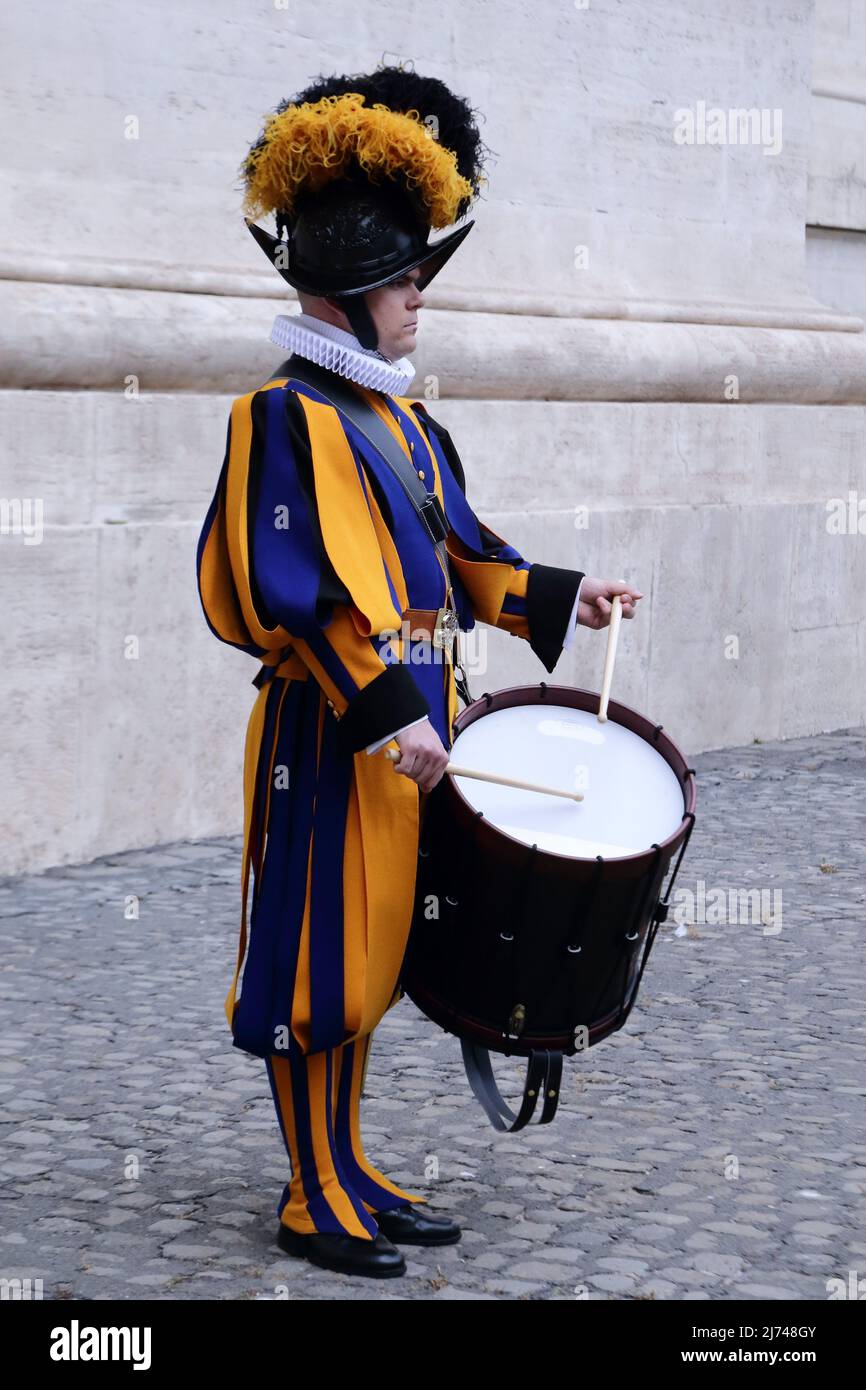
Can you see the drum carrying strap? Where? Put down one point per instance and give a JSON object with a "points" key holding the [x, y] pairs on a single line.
{"points": [[543, 1073], [340, 394]]}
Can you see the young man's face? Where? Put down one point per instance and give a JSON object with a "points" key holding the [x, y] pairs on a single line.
{"points": [[394, 310]]}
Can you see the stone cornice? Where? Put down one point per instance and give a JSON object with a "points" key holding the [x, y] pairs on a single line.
{"points": [[797, 311], [68, 336]]}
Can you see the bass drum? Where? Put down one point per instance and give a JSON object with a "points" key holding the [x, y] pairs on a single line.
{"points": [[535, 915]]}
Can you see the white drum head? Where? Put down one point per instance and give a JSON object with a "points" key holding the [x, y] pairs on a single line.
{"points": [[632, 796]]}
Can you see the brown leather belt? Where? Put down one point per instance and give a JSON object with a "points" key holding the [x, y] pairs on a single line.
{"points": [[437, 624]]}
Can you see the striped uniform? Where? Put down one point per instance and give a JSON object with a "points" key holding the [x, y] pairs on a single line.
{"points": [[309, 555]]}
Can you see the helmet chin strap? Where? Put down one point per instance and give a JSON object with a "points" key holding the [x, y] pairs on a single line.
{"points": [[355, 307]]}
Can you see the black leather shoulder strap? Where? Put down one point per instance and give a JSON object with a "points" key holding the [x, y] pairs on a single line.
{"points": [[340, 393], [343, 397]]}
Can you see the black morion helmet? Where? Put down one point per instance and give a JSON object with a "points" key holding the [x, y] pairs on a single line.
{"points": [[357, 171]]}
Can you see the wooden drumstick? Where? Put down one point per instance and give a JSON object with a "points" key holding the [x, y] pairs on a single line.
{"points": [[458, 771], [609, 656]]}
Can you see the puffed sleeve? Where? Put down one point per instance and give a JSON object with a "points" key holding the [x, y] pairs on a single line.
{"points": [[534, 601], [294, 596]]}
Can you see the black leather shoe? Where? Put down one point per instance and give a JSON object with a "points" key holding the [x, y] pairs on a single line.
{"points": [[412, 1225], [376, 1258]]}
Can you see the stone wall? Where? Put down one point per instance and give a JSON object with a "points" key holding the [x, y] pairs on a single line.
{"points": [[666, 334]]}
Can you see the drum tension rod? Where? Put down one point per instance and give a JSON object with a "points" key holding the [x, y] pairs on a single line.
{"points": [[573, 948], [660, 913], [690, 817], [629, 949], [468, 851], [506, 938]]}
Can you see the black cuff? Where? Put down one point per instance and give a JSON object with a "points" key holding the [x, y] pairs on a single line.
{"points": [[391, 700], [550, 595]]}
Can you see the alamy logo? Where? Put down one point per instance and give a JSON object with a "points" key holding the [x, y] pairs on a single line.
{"points": [[739, 126], [729, 906], [22, 516], [20, 1288], [77, 1343], [854, 1288]]}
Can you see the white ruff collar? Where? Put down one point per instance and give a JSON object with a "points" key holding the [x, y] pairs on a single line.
{"points": [[341, 352]]}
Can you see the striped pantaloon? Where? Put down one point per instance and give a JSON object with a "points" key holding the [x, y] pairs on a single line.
{"points": [[334, 1187]]}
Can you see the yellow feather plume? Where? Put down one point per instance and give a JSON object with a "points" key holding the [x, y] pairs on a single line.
{"points": [[305, 147]]}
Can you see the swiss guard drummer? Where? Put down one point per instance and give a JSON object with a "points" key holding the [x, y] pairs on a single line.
{"points": [[318, 558]]}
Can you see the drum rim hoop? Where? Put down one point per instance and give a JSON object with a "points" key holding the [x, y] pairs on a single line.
{"points": [[499, 698], [518, 1044]]}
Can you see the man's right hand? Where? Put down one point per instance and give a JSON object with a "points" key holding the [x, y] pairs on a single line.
{"points": [[423, 756]]}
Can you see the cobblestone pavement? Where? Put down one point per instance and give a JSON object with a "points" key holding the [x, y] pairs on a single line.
{"points": [[712, 1149]]}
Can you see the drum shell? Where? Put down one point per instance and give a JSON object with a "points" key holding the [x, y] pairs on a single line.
{"points": [[500, 927]]}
